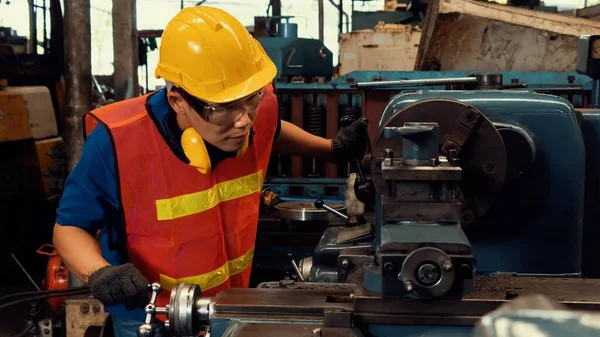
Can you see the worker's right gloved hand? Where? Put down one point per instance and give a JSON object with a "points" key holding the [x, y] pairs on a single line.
{"points": [[122, 284]]}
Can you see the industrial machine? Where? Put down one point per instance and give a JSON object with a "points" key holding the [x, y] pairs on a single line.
{"points": [[297, 59], [479, 198]]}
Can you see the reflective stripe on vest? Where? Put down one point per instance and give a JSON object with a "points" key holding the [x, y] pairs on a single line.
{"points": [[214, 278], [193, 203]]}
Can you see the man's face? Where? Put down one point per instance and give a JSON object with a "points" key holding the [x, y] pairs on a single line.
{"points": [[222, 125]]}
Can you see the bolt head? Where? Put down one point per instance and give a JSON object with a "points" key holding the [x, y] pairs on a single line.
{"points": [[447, 265], [388, 266], [345, 264], [408, 286]]}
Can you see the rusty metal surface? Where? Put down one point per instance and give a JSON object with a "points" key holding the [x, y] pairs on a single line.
{"points": [[83, 313], [483, 146], [480, 36], [559, 289], [280, 301]]}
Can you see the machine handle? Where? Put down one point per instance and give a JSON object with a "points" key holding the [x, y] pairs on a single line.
{"points": [[147, 329], [321, 205]]}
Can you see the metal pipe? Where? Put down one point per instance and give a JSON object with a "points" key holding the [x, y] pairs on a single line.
{"points": [[429, 81], [321, 21], [341, 17], [78, 75], [125, 76], [596, 93]]}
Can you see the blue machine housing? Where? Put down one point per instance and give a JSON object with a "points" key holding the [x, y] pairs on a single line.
{"points": [[536, 224]]}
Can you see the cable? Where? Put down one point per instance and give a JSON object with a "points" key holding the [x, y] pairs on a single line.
{"points": [[50, 291], [25, 331], [39, 298]]}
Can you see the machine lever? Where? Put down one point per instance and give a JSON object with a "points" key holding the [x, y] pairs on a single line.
{"points": [[297, 270], [321, 205], [147, 329]]}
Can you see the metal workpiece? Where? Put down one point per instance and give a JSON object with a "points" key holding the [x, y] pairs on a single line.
{"points": [[420, 141], [306, 211]]}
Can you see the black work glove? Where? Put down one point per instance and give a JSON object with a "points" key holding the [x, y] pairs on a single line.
{"points": [[123, 284], [351, 142]]}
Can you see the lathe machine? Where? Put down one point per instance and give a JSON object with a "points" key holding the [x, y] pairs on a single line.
{"points": [[479, 198]]}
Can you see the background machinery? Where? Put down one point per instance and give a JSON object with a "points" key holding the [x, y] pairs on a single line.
{"points": [[479, 198]]}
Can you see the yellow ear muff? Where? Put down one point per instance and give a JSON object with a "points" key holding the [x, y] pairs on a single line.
{"points": [[195, 149]]}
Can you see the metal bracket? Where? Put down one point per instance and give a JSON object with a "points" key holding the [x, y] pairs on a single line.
{"points": [[463, 127]]}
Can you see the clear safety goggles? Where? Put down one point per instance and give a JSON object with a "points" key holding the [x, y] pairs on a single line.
{"points": [[224, 114]]}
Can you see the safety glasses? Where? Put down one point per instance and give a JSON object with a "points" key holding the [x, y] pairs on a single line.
{"points": [[224, 114]]}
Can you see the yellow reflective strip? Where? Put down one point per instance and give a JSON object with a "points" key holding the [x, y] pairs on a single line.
{"points": [[194, 203], [214, 278]]}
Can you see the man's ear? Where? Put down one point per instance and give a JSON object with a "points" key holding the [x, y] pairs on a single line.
{"points": [[176, 102]]}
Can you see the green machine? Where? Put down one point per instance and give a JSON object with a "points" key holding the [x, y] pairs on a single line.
{"points": [[297, 59]]}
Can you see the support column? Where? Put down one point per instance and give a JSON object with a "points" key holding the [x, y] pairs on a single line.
{"points": [[125, 38], [78, 75]]}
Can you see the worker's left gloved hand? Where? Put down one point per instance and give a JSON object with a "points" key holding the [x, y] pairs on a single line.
{"points": [[350, 142]]}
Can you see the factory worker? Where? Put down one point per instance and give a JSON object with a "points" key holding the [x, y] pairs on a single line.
{"points": [[170, 181]]}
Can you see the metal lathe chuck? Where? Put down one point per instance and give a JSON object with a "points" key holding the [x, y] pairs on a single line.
{"points": [[187, 312]]}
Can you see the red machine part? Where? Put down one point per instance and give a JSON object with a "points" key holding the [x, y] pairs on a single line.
{"points": [[57, 275]]}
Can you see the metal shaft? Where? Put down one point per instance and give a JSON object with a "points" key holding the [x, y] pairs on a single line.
{"points": [[329, 209], [428, 81]]}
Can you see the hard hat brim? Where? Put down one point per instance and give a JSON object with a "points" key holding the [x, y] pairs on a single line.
{"points": [[244, 89]]}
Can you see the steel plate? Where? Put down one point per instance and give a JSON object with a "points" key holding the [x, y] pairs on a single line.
{"points": [[306, 211], [482, 157]]}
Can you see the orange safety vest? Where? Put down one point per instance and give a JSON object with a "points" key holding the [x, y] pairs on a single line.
{"points": [[184, 226]]}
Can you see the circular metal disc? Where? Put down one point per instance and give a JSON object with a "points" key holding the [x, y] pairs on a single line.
{"points": [[306, 211], [482, 157], [182, 309], [435, 257]]}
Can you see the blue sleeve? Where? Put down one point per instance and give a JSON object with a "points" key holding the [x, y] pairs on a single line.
{"points": [[90, 196]]}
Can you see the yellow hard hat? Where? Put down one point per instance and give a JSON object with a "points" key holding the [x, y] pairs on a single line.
{"points": [[210, 54]]}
